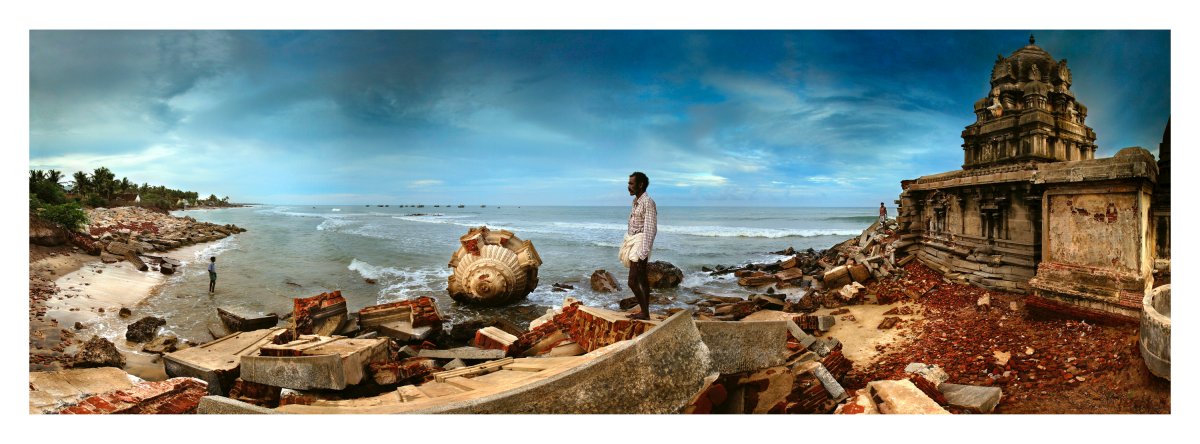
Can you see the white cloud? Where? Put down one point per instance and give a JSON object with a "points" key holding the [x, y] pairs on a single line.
{"points": [[422, 183], [69, 163]]}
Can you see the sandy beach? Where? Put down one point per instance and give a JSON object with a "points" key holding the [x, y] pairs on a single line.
{"points": [[90, 295]]}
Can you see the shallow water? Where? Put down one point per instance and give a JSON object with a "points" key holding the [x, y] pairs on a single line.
{"points": [[300, 251]]}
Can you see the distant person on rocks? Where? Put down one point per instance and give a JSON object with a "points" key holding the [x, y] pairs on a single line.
{"points": [[882, 214], [639, 238], [212, 274]]}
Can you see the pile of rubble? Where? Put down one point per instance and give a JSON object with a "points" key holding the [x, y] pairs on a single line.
{"points": [[831, 277], [124, 233], [984, 337]]}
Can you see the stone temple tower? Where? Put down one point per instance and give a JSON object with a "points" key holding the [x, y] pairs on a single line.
{"points": [[1032, 210], [1030, 114]]}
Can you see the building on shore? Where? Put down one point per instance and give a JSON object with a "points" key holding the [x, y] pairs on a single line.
{"points": [[1033, 211]]}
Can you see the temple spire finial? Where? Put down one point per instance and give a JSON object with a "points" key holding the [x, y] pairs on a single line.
{"points": [[1031, 38]]}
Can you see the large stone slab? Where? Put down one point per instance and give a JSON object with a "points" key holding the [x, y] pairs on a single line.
{"points": [[464, 353], [975, 398], [218, 362], [314, 362], [736, 347], [50, 391], [903, 397]]}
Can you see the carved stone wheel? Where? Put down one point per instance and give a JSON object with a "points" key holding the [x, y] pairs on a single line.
{"points": [[492, 268]]}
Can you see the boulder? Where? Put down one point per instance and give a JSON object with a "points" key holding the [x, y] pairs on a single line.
{"points": [[603, 281], [662, 274], [974, 398], [98, 352], [144, 329], [120, 248], [109, 258]]}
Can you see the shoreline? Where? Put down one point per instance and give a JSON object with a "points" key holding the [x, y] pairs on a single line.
{"points": [[90, 294]]}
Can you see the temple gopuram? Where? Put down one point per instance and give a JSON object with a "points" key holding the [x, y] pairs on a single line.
{"points": [[1033, 211]]}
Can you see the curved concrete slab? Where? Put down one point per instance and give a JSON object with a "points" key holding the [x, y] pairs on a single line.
{"points": [[657, 372]]}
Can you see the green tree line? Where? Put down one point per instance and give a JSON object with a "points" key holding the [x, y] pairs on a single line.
{"points": [[51, 199]]}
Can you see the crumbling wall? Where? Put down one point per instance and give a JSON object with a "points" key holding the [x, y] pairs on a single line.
{"points": [[1094, 229]]}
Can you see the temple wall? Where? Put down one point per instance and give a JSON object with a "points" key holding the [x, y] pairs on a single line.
{"points": [[1094, 229]]}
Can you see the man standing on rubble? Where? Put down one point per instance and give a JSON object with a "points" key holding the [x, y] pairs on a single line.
{"points": [[882, 214], [639, 238]]}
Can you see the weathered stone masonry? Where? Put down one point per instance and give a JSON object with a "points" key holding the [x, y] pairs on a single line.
{"points": [[1032, 210]]}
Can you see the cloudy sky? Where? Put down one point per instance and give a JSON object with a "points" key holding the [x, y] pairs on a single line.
{"points": [[764, 118]]}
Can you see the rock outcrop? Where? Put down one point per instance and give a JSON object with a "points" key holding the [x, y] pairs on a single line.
{"points": [[603, 282], [99, 352], [145, 329], [662, 274]]}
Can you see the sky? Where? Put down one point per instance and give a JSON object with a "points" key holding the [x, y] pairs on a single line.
{"points": [[726, 118]]}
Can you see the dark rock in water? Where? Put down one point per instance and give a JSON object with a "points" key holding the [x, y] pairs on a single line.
{"points": [[662, 274], [370, 281], [787, 252], [166, 268], [144, 329], [125, 312], [628, 303], [604, 282], [79, 326], [706, 269], [98, 352]]}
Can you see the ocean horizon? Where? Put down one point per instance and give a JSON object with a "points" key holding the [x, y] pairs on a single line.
{"points": [[292, 251]]}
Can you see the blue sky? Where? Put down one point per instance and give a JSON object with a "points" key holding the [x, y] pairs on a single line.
{"points": [[762, 118]]}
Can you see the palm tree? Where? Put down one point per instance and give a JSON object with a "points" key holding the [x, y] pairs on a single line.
{"points": [[36, 177], [54, 176], [82, 184], [104, 181]]}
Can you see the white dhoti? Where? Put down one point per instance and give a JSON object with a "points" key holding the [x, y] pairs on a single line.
{"points": [[631, 249]]}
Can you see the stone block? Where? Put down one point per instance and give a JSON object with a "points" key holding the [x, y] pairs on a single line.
{"points": [[902, 397], [766, 389], [835, 390], [930, 372], [314, 362], [744, 346], [218, 362], [824, 323], [464, 353], [975, 398]]}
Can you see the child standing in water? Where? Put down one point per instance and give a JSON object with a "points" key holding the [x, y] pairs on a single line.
{"points": [[212, 274]]}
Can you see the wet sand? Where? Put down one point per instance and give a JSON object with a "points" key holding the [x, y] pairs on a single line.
{"points": [[92, 294]]}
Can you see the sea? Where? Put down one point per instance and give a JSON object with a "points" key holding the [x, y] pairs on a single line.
{"points": [[376, 254]]}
